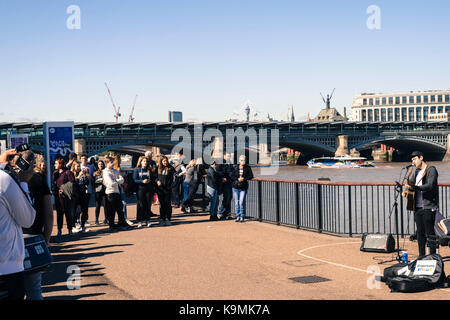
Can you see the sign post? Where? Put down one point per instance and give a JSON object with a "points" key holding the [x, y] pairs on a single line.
{"points": [[58, 143]]}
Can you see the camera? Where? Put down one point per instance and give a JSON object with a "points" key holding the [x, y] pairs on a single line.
{"points": [[23, 147], [22, 164]]}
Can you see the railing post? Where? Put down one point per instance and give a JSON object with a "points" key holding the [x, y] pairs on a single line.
{"points": [[260, 201], [319, 209], [297, 207], [350, 231], [277, 201]]}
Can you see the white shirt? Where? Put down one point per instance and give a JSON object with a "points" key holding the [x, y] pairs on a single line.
{"points": [[112, 179], [419, 194], [16, 212]]}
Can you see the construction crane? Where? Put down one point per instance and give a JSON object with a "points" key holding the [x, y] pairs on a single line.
{"points": [[131, 118], [116, 110]]}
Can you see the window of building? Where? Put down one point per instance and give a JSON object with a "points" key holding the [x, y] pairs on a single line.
{"points": [[425, 99], [440, 109], [425, 113], [418, 114], [404, 114], [364, 115], [447, 109], [403, 100], [397, 114], [391, 100], [397, 100], [411, 99], [370, 115], [447, 98], [377, 101], [377, 115], [371, 101], [418, 99], [411, 114], [383, 114], [439, 98], [432, 98], [390, 114], [433, 110], [364, 102], [383, 101]]}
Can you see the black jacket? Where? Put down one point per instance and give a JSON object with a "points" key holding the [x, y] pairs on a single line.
{"points": [[226, 170], [429, 187], [213, 178], [166, 179], [247, 175]]}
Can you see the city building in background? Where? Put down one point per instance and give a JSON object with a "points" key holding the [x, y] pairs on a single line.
{"points": [[433, 105], [175, 116]]}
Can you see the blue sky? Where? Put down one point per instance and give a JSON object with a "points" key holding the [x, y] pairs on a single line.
{"points": [[208, 58]]}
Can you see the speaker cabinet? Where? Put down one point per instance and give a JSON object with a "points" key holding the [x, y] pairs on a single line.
{"points": [[384, 243]]}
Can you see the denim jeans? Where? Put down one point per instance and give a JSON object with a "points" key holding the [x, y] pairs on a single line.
{"points": [[32, 286], [239, 202], [225, 206], [214, 200], [185, 191]]}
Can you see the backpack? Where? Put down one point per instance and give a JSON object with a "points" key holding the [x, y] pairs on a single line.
{"points": [[442, 228], [420, 275]]}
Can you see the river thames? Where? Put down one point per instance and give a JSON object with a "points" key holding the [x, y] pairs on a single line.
{"points": [[383, 172]]}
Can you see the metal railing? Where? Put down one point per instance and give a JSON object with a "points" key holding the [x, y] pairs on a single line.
{"points": [[333, 207]]}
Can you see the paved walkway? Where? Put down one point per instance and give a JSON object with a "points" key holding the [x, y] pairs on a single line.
{"points": [[221, 260]]}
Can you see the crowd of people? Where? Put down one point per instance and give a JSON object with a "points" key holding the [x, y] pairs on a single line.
{"points": [[28, 210]]}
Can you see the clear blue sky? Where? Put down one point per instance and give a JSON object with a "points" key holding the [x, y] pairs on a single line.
{"points": [[207, 58]]}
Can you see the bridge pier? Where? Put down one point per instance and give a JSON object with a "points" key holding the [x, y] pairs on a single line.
{"points": [[80, 146], [342, 146], [447, 153]]}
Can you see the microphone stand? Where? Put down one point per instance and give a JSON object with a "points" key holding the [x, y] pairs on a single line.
{"points": [[398, 191]]}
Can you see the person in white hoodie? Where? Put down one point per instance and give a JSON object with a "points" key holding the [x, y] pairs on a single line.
{"points": [[113, 201], [16, 212]]}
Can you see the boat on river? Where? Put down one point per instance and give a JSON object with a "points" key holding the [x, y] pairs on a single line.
{"points": [[340, 162]]}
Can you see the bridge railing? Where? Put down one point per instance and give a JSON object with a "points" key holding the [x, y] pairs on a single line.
{"points": [[333, 207]]}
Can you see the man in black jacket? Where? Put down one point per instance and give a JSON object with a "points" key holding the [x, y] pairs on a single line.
{"points": [[424, 181], [226, 170]]}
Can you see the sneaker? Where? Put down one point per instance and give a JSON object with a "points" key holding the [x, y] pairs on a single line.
{"points": [[84, 229], [76, 229], [139, 225], [242, 220], [187, 210], [96, 223], [219, 216], [149, 224], [129, 222], [105, 221], [237, 219], [87, 224], [168, 223]]}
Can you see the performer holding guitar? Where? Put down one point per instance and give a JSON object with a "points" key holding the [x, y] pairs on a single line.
{"points": [[422, 184]]}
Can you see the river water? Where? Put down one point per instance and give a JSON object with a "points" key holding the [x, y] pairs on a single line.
{"points": [[383, 173]]}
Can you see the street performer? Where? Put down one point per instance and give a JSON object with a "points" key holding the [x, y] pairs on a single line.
{"points": [[423, 181]]}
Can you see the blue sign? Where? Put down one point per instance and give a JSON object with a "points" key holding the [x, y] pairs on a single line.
{"points": [[58, 143]]}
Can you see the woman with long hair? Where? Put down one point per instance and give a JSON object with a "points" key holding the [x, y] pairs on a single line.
{"points": [[81, 183], [142, 176], [116, 166], [240, 176], [164, 184], [99, 192], [61, 175]]}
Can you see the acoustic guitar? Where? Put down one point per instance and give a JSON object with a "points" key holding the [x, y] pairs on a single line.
{"points": [[410, 195]]}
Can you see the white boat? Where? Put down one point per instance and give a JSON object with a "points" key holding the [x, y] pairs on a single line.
{"points": [[340, 162]]}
